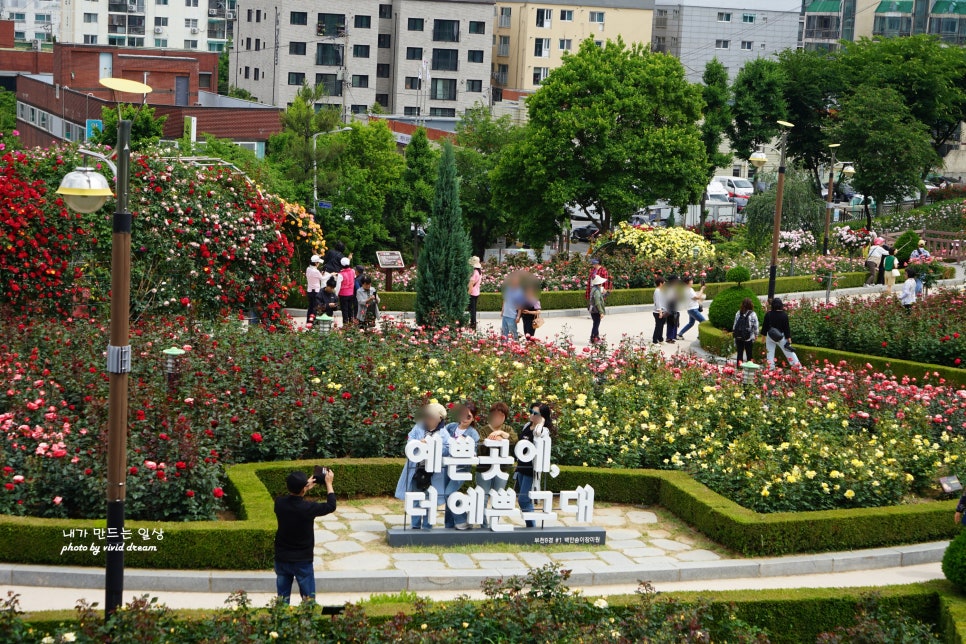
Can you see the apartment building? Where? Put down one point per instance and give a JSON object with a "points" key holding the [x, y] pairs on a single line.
{"points": [[532, 37], [734, 32], [411, 57], [35, 21], [196, 25], [827, 22]]}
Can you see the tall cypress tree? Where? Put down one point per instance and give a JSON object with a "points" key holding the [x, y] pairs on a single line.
{"points": [[443, 270]]}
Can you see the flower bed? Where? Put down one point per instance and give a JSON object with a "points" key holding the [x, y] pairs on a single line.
{"points": [[811, 441], [934, 332]]}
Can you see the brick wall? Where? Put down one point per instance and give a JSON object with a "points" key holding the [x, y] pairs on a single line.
{"points": [[27, 62], [6, 34]]}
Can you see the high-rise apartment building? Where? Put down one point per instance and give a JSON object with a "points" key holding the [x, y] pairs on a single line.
{"points": [[532, 37], [413, 57], [36, 21]]}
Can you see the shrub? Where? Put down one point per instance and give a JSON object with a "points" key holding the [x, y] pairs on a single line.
{"points": [[954, 561], [674, 244], [738, 274], [905, 244], [721, 312]]}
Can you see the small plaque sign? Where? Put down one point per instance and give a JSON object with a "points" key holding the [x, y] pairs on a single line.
{"points": [[950, 484], [390, 259]]}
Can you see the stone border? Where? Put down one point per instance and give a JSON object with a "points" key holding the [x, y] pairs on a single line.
{"points": [[389, 581]]}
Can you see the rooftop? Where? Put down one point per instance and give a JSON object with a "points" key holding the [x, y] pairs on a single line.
{"points": [[894, 6], [947, 7], [824, 6]]}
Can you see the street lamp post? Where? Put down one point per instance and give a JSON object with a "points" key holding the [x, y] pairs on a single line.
{"points": [[758, 159], [779, 196], [315, 164], [87, 191], [847, 171]]}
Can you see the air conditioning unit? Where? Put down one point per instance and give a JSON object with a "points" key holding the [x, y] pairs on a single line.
{"points": [[36, 44], [132, 8], [194, 30], [230, 15], [159, 30], [212, 12]]}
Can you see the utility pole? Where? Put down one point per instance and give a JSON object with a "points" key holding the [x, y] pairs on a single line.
{"points": [[345, 81]]}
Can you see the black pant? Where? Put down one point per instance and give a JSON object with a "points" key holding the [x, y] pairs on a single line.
{"points": [[315, 306], [659, 323], [744, 348], [346, 306], [474, 299], [528, 328], [595, 330]]}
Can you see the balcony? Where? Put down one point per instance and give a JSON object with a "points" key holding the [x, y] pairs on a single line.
{"points": [[133, 30], [499, 78], [218, 33], [504, 22], [125, 7], [117, 29], [822, 34]]}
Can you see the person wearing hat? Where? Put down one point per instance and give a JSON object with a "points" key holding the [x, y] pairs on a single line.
{"points": [[313, 284], [431, 426], [874, 260], [476, 280], [596, 268], [597, 308], [920, 254], [295, 537], [347, 292]]}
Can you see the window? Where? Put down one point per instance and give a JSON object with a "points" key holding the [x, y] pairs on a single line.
{"points": [[749, 18], [362, 22], [442, 111], [360, 80], [660, 18], [19, 17], [596, 16], [474, 56], [474, 86], [660, 44], [414, 53], [249, 16], [540, 74], [505, 17], [724, 16], [296, 48], [384, 41], [541, 47], [385, 11], [160, 22], [296, 17], [443, 89], [115, 40], [566, 44], [258, 15], [446, 59], [414, 82], [41, 17], [359, 109], [90, 17], [330, 24], [415, 24], [256, 73], [88, 39], [566, 15], [503, 47], [382, 70], [502, 71], [248, 43], [204, 80], [247, 72], [477, 27], [296, 78], [258, 44], [191, 44], [746, 45], [162, 2], [191, 3], [722, 44], [330, 83], [410, 111], [190, 23], [383, 100], [544, 16], [446, 30], [327, 53], [161, 42], [360, 51]]}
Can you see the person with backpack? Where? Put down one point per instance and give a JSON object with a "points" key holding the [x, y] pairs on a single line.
{"points": [[596, 306], [415, 477], [745, 329], [778, 333]]}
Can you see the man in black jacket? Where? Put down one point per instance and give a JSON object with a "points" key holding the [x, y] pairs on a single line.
{"points": [[295, 538]]}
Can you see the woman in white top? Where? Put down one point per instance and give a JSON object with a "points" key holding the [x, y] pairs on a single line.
{"points": [[693, 301], [660, 310], [874, 259], [907, 297]]}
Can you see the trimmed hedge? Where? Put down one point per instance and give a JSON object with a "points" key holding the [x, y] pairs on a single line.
{"points": [[720, 343]]}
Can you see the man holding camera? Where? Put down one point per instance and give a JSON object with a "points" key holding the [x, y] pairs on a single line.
{"points": [[295, 538]]}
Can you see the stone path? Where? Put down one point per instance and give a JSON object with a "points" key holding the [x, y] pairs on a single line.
{"points": [[353, 539]]}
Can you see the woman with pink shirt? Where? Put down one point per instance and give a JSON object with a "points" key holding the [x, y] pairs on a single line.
{"points": [[347, 292], [476, 279]]}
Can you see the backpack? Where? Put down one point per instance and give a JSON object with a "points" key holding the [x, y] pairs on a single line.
{"points": [[742, 328]]}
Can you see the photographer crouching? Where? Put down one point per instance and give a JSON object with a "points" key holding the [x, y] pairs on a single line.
{"points": [[295, 538]]}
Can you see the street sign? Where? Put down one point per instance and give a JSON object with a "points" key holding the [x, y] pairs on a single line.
{"points": [[390, 259], [325, 204], [93, 125]]}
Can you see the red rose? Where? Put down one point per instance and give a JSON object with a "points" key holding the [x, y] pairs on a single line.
{"points": [[10, 486], [88, 471], [957, 361], [7, 469], [185, 301], [257, 437], [956, 335], [133, 470], [346, 395], [235, 419], [163, 436], [885, 344], [181, 465], [190, 493], [218, 492]]}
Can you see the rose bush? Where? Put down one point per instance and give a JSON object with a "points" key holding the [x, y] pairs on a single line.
{"points": [[819, 438]]}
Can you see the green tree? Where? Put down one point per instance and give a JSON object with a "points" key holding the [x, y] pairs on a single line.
{"points": [[224, 69], [812, 86], [614, 128], [758, 105], [717, 119], [8, 112], [482, 140], [267, 176], [888, 146], [146, 128], [419, 178], [443, 270], [801, 208]]}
